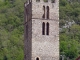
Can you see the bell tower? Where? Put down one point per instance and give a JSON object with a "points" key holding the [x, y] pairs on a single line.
{"points": [[41, 30]]}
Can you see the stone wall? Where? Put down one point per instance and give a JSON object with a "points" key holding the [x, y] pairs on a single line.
{"points": [[45, 47], [27, 30], [37, 9], [28, 40]]}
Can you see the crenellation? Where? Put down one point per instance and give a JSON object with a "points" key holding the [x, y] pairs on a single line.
{"points": [[44, 1]]}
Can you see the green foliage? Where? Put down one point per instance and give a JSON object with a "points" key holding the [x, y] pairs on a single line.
{"points": [[69, 10], [63, 2], [70, 37], [11, 29]]}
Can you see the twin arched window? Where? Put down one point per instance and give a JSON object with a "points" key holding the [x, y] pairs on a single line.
{"points": [[45, 28], [46, 12]]}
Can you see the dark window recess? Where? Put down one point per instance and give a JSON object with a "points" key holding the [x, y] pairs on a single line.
{"points": [[52, 1], [37, 0], [47, 12], [44, 12], [43, 28], [37, 58], [47, 28]]}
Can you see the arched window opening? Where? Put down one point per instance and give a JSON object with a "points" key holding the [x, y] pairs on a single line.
{"points": [[43, 28], [44, 12], [47, 12], [45, 0], [47, 28], [37, 0], [52, 1], [37, 58]]}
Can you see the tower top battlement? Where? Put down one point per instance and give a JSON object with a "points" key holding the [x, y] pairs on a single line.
{"points": [[43, 9], [44, 1]]}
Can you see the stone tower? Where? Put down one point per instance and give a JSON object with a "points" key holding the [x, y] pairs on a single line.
{"points": [[41, 33]]}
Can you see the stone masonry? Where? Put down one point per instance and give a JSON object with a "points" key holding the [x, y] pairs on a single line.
{"points": [[41, 30]]}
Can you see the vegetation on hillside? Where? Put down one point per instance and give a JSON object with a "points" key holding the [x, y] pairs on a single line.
{"points": [[12, 30], [70, 34]]}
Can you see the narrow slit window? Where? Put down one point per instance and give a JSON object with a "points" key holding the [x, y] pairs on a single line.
{"points": [[47, 28], [47, 12], [44, 12], [37, 58], [43, 28], [37, 0]]}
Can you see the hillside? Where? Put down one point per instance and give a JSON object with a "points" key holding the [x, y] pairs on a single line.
{"points": [[70, 29], [11, 29]]}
